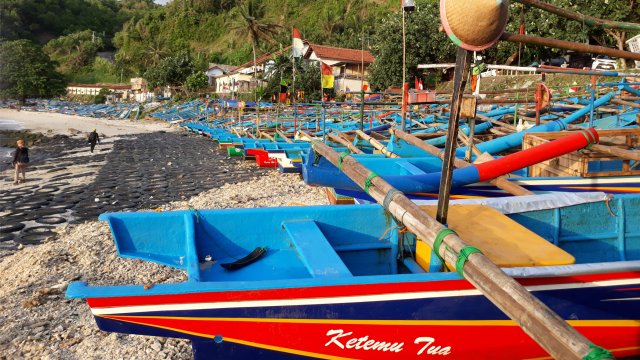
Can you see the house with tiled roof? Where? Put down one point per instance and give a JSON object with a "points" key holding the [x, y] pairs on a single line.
{"points": [[349, 65], [217, 70], [240, 78]]}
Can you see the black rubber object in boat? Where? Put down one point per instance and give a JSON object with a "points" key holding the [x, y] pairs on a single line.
{"points": [[249, 259]]}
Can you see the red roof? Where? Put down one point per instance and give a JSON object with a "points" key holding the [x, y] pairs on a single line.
{"points": [[113, 87], [323, 52], [261, 59], [340, 54]]}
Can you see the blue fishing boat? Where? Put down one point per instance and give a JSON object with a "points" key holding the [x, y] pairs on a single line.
{"points": [[341, 282]]}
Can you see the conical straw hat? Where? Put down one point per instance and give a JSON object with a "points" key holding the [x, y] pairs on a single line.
{"points": [[474, 24]]}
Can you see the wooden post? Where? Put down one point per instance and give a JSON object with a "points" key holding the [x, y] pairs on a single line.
{"points": [[346, 143], [500, 182], [376, 144], [544, 326], [463, 60], [472, 128]]}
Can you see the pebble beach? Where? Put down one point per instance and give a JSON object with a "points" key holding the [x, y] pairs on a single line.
{"points": [[38, 322]]}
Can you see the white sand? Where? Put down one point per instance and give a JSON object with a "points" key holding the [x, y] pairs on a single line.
{"points": [[60, 124]]}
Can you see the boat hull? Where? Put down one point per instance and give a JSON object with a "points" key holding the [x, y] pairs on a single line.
{"points": [[377, 321]]}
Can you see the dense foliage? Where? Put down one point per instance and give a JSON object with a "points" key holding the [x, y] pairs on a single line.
{"points": [[197, 81], [42, 20], [26, 71], [172, 70], [169, 43]]}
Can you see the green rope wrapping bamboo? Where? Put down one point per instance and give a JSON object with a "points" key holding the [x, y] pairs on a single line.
{"points": [[368, 182], [598, 353], [316, 154], [438, 241], [342, 155], [463, 257]]}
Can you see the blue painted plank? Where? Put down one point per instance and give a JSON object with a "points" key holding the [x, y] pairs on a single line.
{"points": [[314, 249], [413, 266], [410, 168]]}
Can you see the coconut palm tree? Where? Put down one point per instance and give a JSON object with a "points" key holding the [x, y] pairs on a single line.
{"points": [[155, 51], [330, 22], [250, 21]]}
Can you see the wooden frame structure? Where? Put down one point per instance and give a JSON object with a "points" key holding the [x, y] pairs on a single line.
{"points": [[577, 163]]}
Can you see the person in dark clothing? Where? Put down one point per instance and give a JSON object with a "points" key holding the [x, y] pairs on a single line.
{"points": [[93, 137], [20, 161]]}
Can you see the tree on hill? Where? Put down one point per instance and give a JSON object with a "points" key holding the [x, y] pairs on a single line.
{"points": [[82, 46], [156, 51], [196, 81], [425, 45], [172, 70], [250, 21], [26, 71]]}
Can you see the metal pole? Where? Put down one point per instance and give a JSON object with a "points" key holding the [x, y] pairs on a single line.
{"points": [[293, 95], [324, 122], [593, 99], [362, 109], [463, 60]]}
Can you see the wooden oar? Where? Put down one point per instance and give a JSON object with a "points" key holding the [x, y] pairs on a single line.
{"points": [[376, 144], [499, 182], [283, 136], [549, 330], [350, 146]]}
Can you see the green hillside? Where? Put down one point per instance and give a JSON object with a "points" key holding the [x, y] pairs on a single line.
{"points": [[141, 34]]}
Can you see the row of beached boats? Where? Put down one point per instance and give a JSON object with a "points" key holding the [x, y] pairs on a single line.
{"points": [[351, 282], [109, 111]]}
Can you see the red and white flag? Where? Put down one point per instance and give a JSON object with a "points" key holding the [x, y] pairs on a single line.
{"points": [[298, 46]]}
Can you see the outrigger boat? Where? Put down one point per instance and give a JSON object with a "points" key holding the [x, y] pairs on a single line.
{"points": [[337, 283]]}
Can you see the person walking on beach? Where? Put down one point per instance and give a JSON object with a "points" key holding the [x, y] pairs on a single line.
{"points": [[93, 137], [20, 161]]}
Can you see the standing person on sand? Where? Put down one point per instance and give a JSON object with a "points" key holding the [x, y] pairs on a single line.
{"points": [[93, 137], [20, 161]]}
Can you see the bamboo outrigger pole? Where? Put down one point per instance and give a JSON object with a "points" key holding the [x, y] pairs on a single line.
{"points": [[350, 146], [376, 144], [549, 330], [283, 136]]}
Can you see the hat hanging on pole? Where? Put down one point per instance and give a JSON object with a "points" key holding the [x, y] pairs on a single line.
{"points": [[408, 5], [474, 25]]}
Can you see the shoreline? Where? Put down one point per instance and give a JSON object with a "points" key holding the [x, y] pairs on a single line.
{"points": [[50, 123]]}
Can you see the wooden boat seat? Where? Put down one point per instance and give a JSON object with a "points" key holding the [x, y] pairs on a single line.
{"points": [[501, 239], [314, 249]]}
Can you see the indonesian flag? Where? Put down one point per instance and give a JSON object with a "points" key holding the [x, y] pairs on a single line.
{"points": [[421, 88], [298, 46], [417, 84], [327, 76]]}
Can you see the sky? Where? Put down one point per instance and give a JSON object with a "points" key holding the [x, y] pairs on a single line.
{"points": [[161, 2]]}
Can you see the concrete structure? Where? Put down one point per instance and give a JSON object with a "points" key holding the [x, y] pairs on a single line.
{"points": [[216, 70], [117, 92]]}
